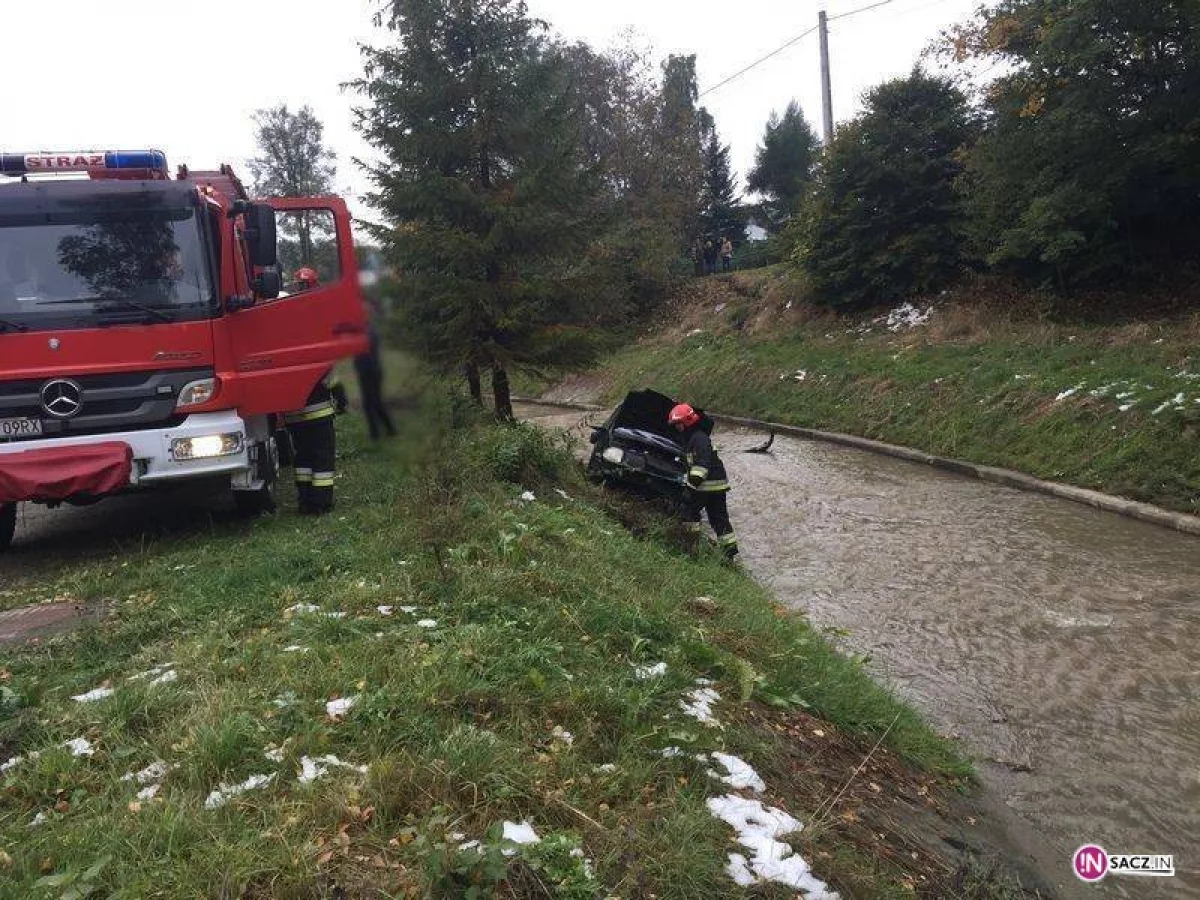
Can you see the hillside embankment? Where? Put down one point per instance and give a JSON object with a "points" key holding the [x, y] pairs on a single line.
{"points": [[1085, 397]]}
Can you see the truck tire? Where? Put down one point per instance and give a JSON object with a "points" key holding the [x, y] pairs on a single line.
{"points": [[262, 501], [8, 524]]}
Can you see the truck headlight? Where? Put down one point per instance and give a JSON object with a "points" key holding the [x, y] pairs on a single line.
{"points": [[195, 393], [613, 454], [207, 446]]}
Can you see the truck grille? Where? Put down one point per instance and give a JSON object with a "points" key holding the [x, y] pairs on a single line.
{"points": [[124, 401]]}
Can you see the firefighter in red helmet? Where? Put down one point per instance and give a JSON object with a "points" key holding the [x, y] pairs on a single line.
{"points": [[707, 483], [306, 278]]}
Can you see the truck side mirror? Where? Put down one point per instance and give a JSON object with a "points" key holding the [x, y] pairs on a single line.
{"points": [[260, 235], [268, 283]]}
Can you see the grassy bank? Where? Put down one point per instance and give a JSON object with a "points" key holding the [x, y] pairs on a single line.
{"points": [[1114, 407], [440, 656]]}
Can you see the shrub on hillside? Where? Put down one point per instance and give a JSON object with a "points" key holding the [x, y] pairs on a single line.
{"points": [[886, 221]]}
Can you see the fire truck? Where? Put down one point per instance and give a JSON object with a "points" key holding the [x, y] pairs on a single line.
{"points": [[147, 334]]}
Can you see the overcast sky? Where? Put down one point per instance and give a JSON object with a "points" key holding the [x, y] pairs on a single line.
{"points": [[185, 76]]}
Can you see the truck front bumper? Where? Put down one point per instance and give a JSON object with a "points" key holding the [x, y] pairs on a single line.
{"points": [[204, 444]]}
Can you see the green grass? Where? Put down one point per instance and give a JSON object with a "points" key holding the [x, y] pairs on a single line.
{"points": [[542, 611], [970, 385]]}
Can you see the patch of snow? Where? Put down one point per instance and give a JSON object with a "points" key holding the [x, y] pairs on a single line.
{"points": [[607, 768], [522, 833], [1160, 407], [1126, 407], [166, 677], [39, 819], [408, 609], [695, 331], [304, 608], [311, 769], [741, 774], [295, 648], [758, 829], [1069, 392], [340, 707], [94, 694], [647, 672], [149, 792], [335, 615], [427, 623], [385, 610], [561, 735], [699, 703], [800, 375], [528, 496], [79, 746], [156, 771], [274, 754], [907, 316], [226, 792], [562, 493], [1022, 377], [14, 762]]}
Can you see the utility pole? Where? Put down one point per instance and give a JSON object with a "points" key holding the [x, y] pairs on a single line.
{"points": [[826, 87]]}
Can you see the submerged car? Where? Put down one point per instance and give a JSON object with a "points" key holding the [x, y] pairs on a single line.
{"points": [[636, 448]]}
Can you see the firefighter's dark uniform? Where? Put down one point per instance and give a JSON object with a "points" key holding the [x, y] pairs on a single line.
{"points": [[707, 485], [314, 440]]}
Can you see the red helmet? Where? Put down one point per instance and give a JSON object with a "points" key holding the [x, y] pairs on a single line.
{"points": [[307, 276], [684, 415]]}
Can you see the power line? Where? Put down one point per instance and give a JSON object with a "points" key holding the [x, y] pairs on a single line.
{"points": [[855, 12], [759, 62]]}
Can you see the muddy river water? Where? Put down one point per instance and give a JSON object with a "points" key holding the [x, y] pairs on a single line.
{"points": [[1061, 644]]}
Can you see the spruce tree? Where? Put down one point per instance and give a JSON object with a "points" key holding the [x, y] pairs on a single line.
{"points": [[721, 217], [784, 164], [487, 196]]}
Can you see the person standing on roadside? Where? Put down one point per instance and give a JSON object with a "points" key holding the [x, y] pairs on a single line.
{"points": [[727, 255], [369, 368], [710, 257]]}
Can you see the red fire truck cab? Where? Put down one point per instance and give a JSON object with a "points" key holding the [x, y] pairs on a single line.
{"points": [[153, 329]]}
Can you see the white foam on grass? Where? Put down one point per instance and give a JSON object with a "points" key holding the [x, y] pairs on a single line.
{"points": [[427, 623], [741, 774], [79, 746], [385, 610], [226, 792], [758, 830], [408, 609], [149, 792], [156, 771], [528, 496], [166, 677], [295, 648]]}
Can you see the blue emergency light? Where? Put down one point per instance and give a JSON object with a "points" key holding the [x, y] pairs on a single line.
{"points": [[82, 161]]}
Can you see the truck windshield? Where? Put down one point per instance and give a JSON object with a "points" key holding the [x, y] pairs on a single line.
{"points": [[97, 260]]}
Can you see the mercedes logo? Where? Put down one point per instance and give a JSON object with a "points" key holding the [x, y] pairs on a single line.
{"points": [[62, 398]]}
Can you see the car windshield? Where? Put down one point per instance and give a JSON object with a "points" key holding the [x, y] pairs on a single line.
{"points": [[102, 259]]}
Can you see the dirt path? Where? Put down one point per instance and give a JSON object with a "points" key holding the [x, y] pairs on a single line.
{"points": [[1058, 642]]}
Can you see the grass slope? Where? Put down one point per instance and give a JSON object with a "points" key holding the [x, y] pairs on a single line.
{"points": [[1110, 407], [508, 692]]}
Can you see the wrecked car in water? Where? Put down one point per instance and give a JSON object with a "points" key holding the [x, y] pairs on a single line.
{"points": [[635, 448]]}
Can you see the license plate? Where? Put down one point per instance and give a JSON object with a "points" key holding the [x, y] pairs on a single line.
{"points": [[14, 428]]}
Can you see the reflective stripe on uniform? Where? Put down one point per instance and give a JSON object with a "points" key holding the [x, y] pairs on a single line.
{"points": [[698, 472], [310, 413], [322, 479], [713, 487], [728, 540], [304, 476]]}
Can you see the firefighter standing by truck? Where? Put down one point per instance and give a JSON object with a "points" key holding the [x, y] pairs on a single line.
{"points": [[707, 484], [313, 434]]}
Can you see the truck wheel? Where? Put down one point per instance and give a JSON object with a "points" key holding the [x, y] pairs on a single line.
{"points": [[8, 524], [262, 501]]}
